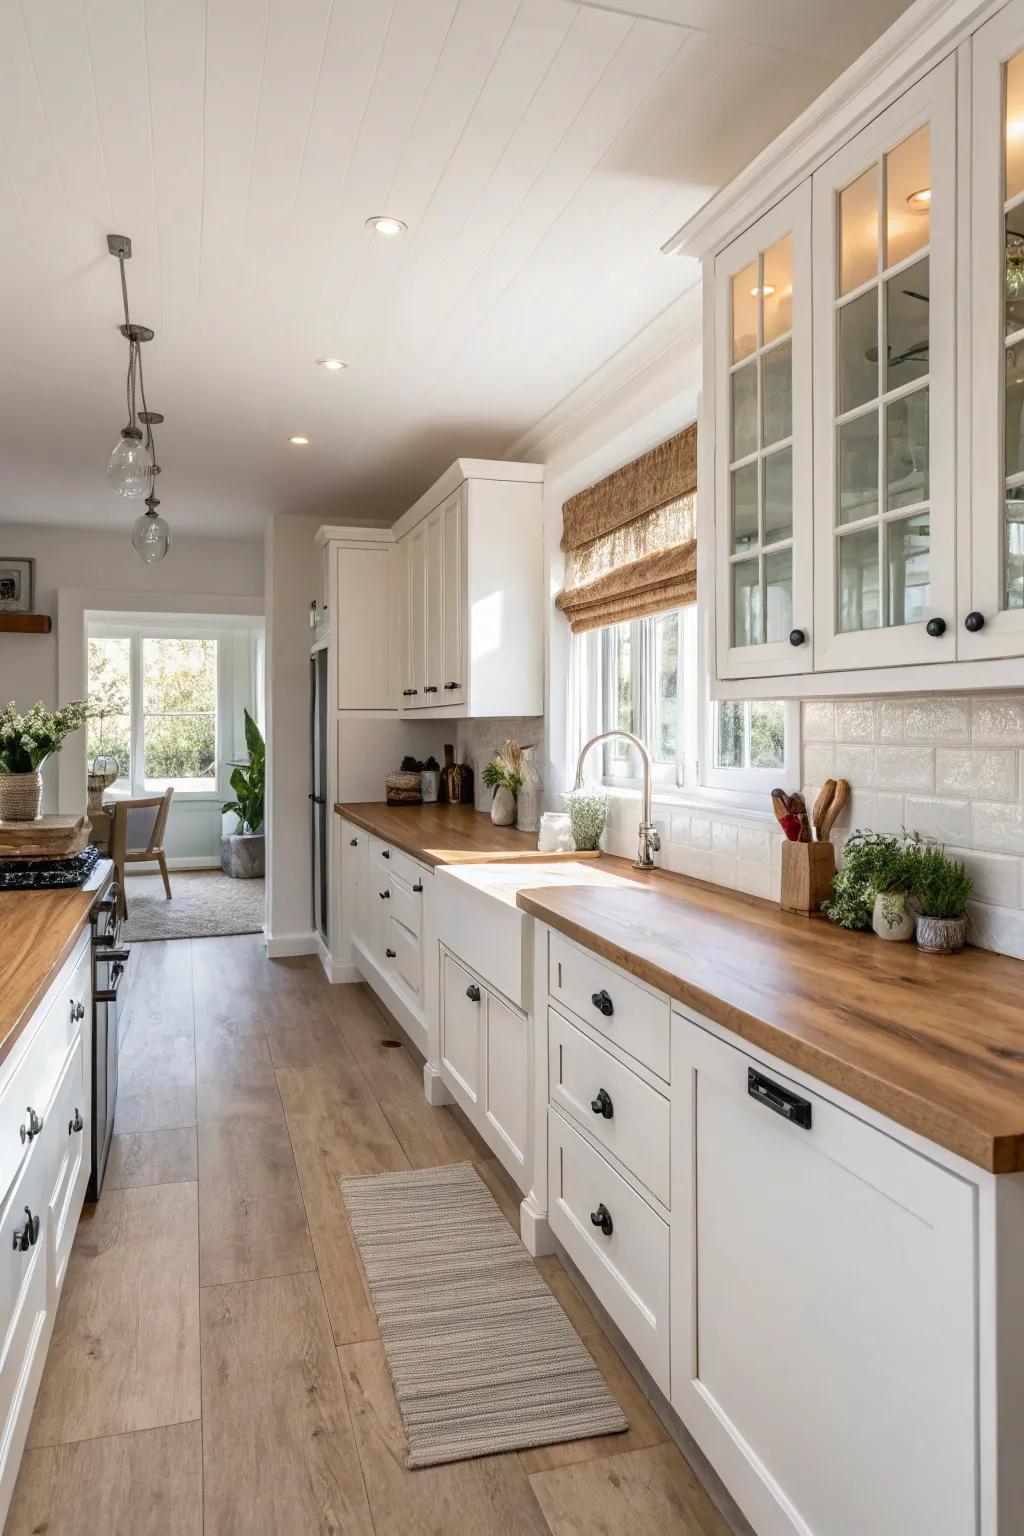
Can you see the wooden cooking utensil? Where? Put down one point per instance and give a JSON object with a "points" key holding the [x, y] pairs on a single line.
{"points": [[836, 806], [780, 805], [798, 808], [821, 805]]}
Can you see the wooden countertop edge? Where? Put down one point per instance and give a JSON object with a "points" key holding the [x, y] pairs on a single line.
{"points": [[13, 1033], [438, 857], [993, 1151]]}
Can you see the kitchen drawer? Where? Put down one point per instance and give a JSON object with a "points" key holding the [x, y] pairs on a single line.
{"points": [[22, 1306], [461, 1002], [39, 1057], [404, 956], [64, 1147], [628, 1267], [386, 859], [406, 902], [636, 1131], [612, 1003]]}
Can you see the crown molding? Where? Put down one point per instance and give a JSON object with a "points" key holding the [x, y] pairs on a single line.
{"points": [[925, 34]]}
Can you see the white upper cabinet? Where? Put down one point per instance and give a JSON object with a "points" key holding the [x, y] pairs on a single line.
{"points": [[472, 554], [763, 473], [885, 244], [992, 602]]}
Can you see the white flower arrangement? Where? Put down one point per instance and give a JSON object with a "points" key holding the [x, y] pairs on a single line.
{"points": [[27, 740], [587, 809]]}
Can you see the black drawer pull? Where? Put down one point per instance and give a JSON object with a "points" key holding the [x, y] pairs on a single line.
{"points": [[391, 954], [473, 992], [385, 853], [384, 895], [27, 1236], [603, 1003], [407, 693], [602, 1218], [430, 688], [602, 1105], [449, 686], [789, 1105], [418, 886]]}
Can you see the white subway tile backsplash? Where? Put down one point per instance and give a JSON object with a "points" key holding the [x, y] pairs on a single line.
{"points": [[819, 762], [996, 877], [994, 927], [856, 764], [997, 722], [855, 720], [890, 813], [700, 832], [723, 869], [999, 827], [753, 845], [936, 718], [905, 768], [724, 837], [947, 820], [754, 879], [890, 716], [698, 863], [978, 773], [680, 829], [819, 721]]}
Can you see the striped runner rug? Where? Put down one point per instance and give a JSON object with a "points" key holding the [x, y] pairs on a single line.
{"points": [[481, 1355]]}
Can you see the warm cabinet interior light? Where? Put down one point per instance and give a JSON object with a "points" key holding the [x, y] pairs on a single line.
{"points": [[767, 290], [334, 364], [920, 200], [1015, 128], [300, 442], [383, 224]]}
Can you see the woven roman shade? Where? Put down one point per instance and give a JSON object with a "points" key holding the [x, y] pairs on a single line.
{"points": [[631, 540]]}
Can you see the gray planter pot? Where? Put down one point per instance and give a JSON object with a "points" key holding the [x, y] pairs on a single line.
{"points": [[243, 855], [941, 935]]}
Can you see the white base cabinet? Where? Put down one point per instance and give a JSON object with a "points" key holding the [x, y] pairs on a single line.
{"points": [[383, 926], [484, 1062]]}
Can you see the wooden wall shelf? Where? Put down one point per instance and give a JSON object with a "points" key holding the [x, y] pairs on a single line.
{"points": [[25, 623]]}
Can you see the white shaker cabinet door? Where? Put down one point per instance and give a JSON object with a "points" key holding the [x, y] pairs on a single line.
{"points": [[453, 587], [763, 446], [992, 599], [884, 382], [823, 1331]]}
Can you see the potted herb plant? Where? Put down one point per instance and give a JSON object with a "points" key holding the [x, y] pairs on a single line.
{"points": [[942, 889], [243, 852], [26, 741], [504, 778], [871, 889]]}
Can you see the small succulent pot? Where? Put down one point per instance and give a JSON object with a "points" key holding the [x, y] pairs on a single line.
{"points": [[430, 785], [503, 806], [21, 796], [891, 917], [941, 935]]}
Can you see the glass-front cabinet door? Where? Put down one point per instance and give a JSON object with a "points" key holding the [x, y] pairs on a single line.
{"points": [[884, 312], [992, 600], [763, 446]]}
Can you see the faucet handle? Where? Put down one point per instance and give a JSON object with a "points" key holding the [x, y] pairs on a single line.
{"points": [[654, 840]]}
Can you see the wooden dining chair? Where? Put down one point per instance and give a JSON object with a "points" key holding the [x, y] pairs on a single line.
{"points": [[137, 837]]}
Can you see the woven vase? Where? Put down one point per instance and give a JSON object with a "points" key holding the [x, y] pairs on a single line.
{"points": [[21, 796]]}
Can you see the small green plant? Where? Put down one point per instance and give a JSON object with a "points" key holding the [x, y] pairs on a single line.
{"points": [[413, 765], [249, 783], [941, 885], [498, 775], [27, 740], [873, 864]]}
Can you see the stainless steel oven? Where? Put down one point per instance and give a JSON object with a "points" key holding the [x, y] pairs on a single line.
{"points": [[109, 970]]}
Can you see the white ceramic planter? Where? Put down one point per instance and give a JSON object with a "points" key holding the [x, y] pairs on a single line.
{"points": [[21, 796], [503, 807], [891, 918]]}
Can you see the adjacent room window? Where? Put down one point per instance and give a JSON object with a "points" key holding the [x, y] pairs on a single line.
{"points": [[154, 702]]}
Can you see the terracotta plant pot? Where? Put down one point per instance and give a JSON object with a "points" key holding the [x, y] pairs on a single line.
{"points": [[21, 796], [941, 935]]}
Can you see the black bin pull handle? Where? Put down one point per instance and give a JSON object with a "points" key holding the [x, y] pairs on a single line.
{"points": [[602, 1218], [782, 1100]]}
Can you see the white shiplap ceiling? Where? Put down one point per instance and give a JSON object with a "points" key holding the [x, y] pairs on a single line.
{"points": [[539, 150]]}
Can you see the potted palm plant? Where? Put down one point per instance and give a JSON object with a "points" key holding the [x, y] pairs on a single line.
{"points": [[243, 852]]}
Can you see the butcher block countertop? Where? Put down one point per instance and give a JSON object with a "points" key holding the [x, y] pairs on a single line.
{"points": [[448, 834], [38, 931], [935, 1042]]}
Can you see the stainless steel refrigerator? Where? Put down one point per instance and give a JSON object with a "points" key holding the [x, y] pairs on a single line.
{"points": [[318, 792]]}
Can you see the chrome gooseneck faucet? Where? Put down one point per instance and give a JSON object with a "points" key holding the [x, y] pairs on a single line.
{"points": [[650, 837]]}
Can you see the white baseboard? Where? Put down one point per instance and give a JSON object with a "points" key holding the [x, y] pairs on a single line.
{"points": [[336, 971], [281, 945], [415, 1026], [183, 862]]}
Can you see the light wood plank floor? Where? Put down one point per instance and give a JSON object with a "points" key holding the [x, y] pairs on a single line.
{"points": [[215, 1364]]}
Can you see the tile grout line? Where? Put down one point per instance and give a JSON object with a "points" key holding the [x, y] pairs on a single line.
{"points": [[316, 1265]]}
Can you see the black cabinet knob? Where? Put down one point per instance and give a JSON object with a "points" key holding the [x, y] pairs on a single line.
{"points": [[384, 895], [385, 853], [34, 1126], [935, 628], [797, 637], [602, 1105], [391, 954], [602, 1218], [77, 1123], [449, 686], [974, 622], [473, 992], [418, 886], [27, 1236], [603, 1003]]}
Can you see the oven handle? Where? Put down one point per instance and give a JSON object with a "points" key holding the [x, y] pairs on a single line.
{"points": [[118, 972]]}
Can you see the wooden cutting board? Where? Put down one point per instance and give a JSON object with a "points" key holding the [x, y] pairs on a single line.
{"points": [[51, 837]]}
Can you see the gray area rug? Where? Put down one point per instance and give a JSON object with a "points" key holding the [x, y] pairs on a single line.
{"points": [[482, 1357], [203, 905]]}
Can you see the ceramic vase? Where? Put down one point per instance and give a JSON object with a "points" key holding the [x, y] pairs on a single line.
{"points": [[941, 935], [891, 918], [528, 795], [430, 785], [503, 807], [21, 796]]}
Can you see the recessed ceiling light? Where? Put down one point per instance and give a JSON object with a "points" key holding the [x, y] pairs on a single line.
{"points": [[383, 224], [300, 442], [920, 201], [333, 363]]}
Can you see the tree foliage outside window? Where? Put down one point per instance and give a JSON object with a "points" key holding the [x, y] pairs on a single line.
{"points": [[110, 691], [175, 718]]}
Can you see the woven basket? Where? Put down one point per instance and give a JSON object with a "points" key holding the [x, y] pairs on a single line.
{"points": [[403, 789], [21, 796]]}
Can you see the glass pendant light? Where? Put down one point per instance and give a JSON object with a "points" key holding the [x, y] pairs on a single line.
{"points": [[130, 471], [151, 535]]}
